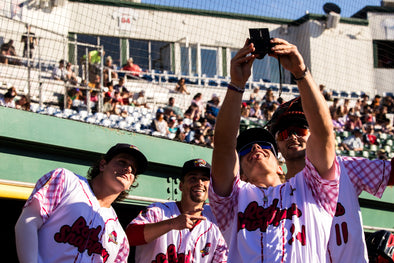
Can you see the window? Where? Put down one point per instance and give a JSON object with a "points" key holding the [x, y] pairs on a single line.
{"points": [[159, 57], [188, 60], [209, 62], [383, 54]]}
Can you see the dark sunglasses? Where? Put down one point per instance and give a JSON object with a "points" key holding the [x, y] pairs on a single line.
{"points": [[248, 148], [286, 133]]}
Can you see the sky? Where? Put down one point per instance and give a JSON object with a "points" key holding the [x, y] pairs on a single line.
{"points": [[289, 9]]}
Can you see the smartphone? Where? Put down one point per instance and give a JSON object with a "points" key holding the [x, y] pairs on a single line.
{"points": [[260, 37]]}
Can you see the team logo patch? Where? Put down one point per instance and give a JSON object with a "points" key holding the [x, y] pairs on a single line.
{"points": [[112, 237], [200, 163], [205, 251]]}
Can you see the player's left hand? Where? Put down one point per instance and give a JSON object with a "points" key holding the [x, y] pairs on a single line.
{"points": [[290, 57]]}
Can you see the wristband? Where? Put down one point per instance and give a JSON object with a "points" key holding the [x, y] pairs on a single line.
{"points": [[235, 88], [303, 75]]}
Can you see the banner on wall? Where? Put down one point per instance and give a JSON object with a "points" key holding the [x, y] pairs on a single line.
{"points": [[126, 19]]}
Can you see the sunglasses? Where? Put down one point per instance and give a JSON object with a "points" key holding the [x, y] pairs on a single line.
{"points": [[248, 148], [286, 133]]}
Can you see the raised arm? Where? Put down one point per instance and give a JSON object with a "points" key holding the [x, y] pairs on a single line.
{"points": [[320, 147], [224, 159]]}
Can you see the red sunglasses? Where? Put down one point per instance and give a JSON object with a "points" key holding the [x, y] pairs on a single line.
{"points": [[286, 133]]}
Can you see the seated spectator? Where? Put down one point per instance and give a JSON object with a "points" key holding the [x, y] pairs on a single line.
{"points": [[268, 100], [171, 106], [59, 72], [212, 109], [338, 119], [375, 104], [107, 105], [7, 99], [197, 100], [172, 125], [181, 86], [327, 94], [388, 101], [118, 97], [268, 112], [369, 115], [192, 112], [4, 53], [386, 127], [346, 107], [70, 75], [255, 111], [245, 110], [110, 69], [380, 116], [109, 90], [134, 68], [139, 99], [23, 103], [159, 124], [369, 138], [333, 107], [120, 86], [353, 122], [255, 96], [127, 97], [353, 142]]}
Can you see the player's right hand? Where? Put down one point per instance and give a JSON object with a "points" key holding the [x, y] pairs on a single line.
{"points": [[187, 219]]}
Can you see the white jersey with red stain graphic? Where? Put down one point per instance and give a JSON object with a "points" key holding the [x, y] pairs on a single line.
{"points": [[287, 223], [75, 227], [347, 242], [204, 243]]}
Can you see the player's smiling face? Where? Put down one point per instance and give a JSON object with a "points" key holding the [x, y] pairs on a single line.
{"points": [[195, 186], [258, 161], [294, 145], [119, 172]]}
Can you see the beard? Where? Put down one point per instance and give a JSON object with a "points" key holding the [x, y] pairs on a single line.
{"points": [[198, 198]]}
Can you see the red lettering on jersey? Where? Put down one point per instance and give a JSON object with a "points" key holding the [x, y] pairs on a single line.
{"points": [[338, 234], [82, 237], [345, 232], [300, 236], [340, 211], [256, 216], [172, 256]]}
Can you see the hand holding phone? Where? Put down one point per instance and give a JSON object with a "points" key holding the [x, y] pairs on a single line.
{"points": [[260, 37]]}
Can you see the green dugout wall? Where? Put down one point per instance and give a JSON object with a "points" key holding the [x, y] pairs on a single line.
{"points": [[33, 144]]}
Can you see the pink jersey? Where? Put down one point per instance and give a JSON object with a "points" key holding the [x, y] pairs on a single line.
{"points": [[204, 243], [347, 243], [287, 223], [75, 227]]}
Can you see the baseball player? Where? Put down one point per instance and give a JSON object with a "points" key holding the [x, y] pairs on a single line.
{"points": [[69, 218], [347, 242], [289, 222], [183, 231]]}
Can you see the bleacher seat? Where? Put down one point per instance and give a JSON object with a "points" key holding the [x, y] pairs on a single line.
{"points": [[344, 94], [285, 89], [355, 94], [295, 90], [335, 93], [274, 88]]}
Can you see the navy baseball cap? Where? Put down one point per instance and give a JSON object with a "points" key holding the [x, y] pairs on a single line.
{"points": [[196, 164], [142, 162], [256, 135], [288, 114]]}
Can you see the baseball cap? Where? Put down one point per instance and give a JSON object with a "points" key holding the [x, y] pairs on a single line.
{"points": [[288, 114], [381, 243], [196, 164], [142, 162], [256, 135]]}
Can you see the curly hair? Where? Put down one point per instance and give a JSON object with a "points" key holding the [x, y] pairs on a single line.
{"points": [[94, 171]]}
